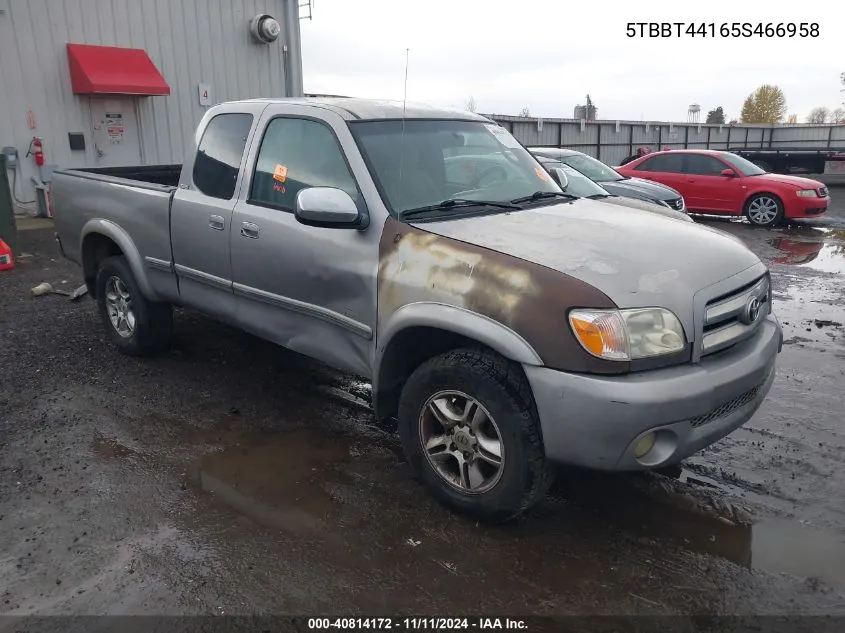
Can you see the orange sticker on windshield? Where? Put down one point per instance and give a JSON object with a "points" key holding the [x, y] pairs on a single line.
{"points": [[542, 174], [280, 173]]}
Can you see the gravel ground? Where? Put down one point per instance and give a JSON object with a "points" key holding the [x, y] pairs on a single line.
{"points": [[233, 477]]}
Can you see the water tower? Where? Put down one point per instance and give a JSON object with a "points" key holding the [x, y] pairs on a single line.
{"points": [[693, 113]]}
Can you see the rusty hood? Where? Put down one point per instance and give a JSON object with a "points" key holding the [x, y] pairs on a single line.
{"points": [[636, 258]]}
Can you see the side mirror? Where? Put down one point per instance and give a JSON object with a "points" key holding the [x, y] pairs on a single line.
{"points": [[328, 207], [560, 177], [728, 173]]}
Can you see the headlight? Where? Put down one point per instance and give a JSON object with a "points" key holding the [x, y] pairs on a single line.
{"points": [[806, 193], [666, 203], [628, 334]]}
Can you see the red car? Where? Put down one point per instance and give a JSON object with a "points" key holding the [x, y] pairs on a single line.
{"points": [[723, 183]]}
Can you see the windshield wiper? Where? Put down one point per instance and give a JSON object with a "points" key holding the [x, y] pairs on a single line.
{"points": [[542, 195], [453, 203], [599, 196]]}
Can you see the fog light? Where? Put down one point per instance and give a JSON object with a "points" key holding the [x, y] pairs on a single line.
{"points": [[644, 445]]}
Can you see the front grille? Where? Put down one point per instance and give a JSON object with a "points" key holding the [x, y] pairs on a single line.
{"points": [[734, 317], [822, 192], [727, 408]]}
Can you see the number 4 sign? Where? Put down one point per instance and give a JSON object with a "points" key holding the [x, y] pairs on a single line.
{"points": [[205, 94]]}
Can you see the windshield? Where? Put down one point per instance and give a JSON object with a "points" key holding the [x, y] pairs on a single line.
{"points": [[429, 162], [579, 185], [592, 168], [745, 166]]}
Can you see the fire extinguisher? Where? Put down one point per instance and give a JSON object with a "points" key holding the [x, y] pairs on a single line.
{"points": [[36, 148]]}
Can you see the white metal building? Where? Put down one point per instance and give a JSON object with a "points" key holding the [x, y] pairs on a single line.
{"points": [[124, 82]]}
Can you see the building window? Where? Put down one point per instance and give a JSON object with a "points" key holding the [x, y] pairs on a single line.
{"points": [[297, 154], [220, 153]]}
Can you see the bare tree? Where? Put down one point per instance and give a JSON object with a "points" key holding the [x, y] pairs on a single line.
{"points": [[525, 112], [792, 119], [838, 116], [818, 115], [842, 79], [470, 104]]}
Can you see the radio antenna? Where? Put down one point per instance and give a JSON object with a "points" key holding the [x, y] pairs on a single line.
{"points": [[402, 136], [405, 96]]}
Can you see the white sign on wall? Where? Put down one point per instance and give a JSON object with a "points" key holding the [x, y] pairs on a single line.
{"points": [[204, 94]]}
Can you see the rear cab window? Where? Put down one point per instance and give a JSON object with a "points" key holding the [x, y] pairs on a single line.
{"points": [[297, 154], [220, 153]]}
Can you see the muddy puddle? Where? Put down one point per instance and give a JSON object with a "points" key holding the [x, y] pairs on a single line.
{"points": [[281, 481], [811, 308], [289, 481], [830, 259], [110, 448], [691, 512], [811, 312], [785, 546], [822, 250]]}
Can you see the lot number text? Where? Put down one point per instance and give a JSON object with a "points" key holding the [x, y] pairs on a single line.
{"points": [[726, 29]]}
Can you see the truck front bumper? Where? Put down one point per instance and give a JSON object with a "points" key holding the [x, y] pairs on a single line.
{"points": [[599, 421]]}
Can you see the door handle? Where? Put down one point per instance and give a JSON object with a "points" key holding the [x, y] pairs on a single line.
{"points": [[216, 222], [250, 230]]}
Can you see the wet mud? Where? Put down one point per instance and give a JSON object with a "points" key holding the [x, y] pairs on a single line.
{"points": [[232, 477]]}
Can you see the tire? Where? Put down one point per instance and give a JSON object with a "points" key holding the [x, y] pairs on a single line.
{"points": [[146, 326], [504, 397], [773, 213]]}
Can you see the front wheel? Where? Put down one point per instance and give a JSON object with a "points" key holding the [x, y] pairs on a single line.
{"points": [[137, 327], [470, 431], [764, 209]]}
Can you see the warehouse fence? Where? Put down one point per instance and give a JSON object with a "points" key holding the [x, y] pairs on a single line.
{"points": [[612, 141]]}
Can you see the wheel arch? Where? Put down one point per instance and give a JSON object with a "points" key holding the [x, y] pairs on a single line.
{"points": [[101, 239], [420, 331], [762, 192]]}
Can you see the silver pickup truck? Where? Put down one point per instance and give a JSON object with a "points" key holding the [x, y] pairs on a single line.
{"points": [[504, 324]]}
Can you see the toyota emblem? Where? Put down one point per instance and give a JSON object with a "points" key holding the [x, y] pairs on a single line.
{"points": [[752, 311]]}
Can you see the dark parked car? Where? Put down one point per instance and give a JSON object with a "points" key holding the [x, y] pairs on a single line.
{"points": [[577, 184], [613, 181]]}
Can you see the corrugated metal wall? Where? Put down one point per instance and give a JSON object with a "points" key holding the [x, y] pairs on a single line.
{"points": [[602, 140], [190, 41]]}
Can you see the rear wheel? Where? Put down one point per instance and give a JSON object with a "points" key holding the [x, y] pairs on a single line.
{"points": [[764, 209], [135, 325], [471, 434]]}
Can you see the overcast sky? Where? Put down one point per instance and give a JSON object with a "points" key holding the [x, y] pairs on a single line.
{"points": [[548, 54]]}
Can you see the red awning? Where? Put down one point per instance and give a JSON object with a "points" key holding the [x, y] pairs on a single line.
{"points": [[113, 71]]}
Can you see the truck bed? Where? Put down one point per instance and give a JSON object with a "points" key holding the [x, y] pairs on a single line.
{"points": [[793, 160], [129, 205], [165, 175]]}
